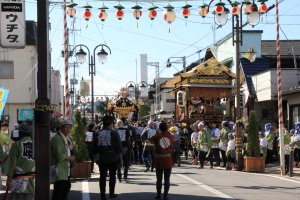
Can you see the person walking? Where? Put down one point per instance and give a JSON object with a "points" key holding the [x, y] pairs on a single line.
{"points": [[194, 140], [108, 145], [148, 152], [20, 166], [125, 141], [163, 142], [224, 141], [176, 145], [61, 159], [230, 153], [90, 136], [203, 144]]}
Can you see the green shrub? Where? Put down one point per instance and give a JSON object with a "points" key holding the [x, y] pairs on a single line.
{"points": [[253, 139], [78, 136]]}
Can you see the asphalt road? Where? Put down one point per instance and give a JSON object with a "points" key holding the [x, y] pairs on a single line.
{"points": [[190, 183]]}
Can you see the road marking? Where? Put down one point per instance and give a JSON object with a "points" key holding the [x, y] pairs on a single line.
{"points": [[278, 177], [206, 187], [85, 190]]}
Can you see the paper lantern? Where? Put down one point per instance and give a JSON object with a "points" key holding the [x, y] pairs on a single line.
{"points": [[203, 10], [219, 8], [247, 7], [262, 8], [152, 13], [119, 12], [181, 99], [103, 14], [169, 14], [186, 11], [71, 10], [235, 10], [87, 14], [137, 13]]}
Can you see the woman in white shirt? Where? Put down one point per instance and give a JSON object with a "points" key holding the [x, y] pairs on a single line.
{"points": [[194, 140]]}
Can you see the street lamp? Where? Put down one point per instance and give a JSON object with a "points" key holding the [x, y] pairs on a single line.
{"points": [[253, 17], [183, 61], [102, 57], [137, 88]]}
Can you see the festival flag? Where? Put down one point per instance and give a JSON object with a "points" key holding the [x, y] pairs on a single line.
{"points": [[3, 99]]}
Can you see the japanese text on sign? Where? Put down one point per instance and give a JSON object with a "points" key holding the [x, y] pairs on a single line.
{"points": [[12, 24]]}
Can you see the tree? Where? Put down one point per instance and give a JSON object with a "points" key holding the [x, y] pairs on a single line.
{"points": [[78, 136], [253, 139], [144, 110]]}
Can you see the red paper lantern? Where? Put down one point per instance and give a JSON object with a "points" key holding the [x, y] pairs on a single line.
{"points": [[103, 15], [87, 14], [262, 8], [219, 9], [152, 14], [248, 8], [120, 14], [186, 12], [169, 14], [235, 10]]}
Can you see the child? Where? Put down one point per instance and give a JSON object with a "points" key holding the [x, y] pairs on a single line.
{"points": [[230, 153]]}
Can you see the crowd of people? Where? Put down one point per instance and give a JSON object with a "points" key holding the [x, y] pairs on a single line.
{"points": [[116, 144]]}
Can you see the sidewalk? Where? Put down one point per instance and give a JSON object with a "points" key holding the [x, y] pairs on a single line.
{"points": [[275, 170]]}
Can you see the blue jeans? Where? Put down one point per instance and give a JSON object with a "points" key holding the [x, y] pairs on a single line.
{"points": [[149, 157]]}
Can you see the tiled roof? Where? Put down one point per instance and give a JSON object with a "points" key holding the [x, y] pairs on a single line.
{"points": [[249, 69]]}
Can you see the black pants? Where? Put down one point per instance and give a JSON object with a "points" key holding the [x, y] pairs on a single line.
{"points": [[297, 155], [159, 174], [91, 155], [269, 158], [224, 158], [125, 165], [287, 163], [61, 189], [112, 178], [214, 155], [202, 155]]}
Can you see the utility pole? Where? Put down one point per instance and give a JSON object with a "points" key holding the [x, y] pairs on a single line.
{"points": [[156, 65], [41, 115]]}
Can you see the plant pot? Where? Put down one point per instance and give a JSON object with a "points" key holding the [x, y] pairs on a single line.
{"points": [[81, 170], [254, 164]]}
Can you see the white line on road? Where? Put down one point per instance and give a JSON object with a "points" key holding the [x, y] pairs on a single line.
{"points": [[206, 187], [278, 177], [85, 190]]}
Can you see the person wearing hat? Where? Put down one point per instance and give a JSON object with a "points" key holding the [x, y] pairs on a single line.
{"points": [[203, 144], [230, 152], [269, 134], [176, 145], [231, 126], [108, 145], [224, 141], [148, 152], [61, 158], [15, 133], [20, 166], [262, 144]]}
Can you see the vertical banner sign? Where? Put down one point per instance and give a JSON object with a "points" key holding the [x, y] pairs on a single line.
{"points": [[3, 99], [12, 22]]}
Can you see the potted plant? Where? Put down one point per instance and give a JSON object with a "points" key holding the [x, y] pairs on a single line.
{"points": [[82, 167], [252, 161]]}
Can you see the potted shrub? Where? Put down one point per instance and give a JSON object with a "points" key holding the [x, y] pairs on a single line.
{"points": [[252, 161], [82, 167]]}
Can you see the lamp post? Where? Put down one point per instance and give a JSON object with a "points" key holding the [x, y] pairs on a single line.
{"points": [[253, 13], [183, 61], [81, 57], [137, 88]]}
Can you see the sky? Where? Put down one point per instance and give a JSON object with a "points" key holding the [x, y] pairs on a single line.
{"points": [[157, 39]]}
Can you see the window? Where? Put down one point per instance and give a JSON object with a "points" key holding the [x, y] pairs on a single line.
{"points": [[6, 69]]}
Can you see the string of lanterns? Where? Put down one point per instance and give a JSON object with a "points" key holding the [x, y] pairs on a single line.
{"points": [[220, 11]]}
